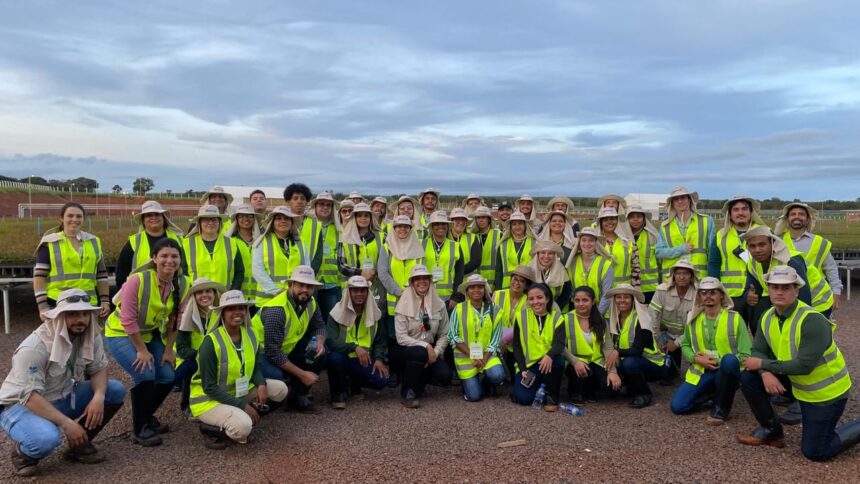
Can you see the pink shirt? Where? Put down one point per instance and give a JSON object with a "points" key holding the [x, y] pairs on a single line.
{"points": [[129, 303]]}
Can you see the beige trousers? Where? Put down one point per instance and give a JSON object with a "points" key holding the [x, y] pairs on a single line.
{"points": [[233, 420]]}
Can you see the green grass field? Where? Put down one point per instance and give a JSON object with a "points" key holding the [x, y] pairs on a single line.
{"points": [[18, 237]]}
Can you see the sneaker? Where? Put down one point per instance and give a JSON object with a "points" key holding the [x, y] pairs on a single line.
{"points": [[640, 401], [25, 466], [85, 454], [792, 415], [158, 426], [338, 405], [147, 437], [411, 400]]}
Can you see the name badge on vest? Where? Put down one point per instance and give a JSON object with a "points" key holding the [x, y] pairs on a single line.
{"points": [[326, 250], [745, 256], [476, 351], [242, 384], [366, 264], [438, 273]]}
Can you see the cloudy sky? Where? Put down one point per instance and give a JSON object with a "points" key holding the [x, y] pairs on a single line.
{"points": [[576, 97]]}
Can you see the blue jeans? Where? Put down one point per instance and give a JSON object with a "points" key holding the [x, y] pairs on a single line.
{"points": [[638, 364], [37, 437], [472, 390], [684, 399], [124, 353], [326, 300], [524, 396], [296, 357], [342, 370], [819, 441]]}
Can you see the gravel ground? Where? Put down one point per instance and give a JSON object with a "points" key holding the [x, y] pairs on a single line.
{"points": [[449, 439]]}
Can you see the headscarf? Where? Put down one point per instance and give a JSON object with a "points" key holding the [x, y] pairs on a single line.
{"points": [[54, 334], [568, 238], [646, 320], [191, 319], [709, 283], [344, 312], [408, 249], [350, 234], [557, 275]]}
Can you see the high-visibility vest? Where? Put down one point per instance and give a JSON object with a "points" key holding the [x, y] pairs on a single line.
{"points": [[230, 368], [447, 258], [575, 340], [196, 336], [696, 235], [465, 244], [249, 286], [726, 333], [732, 269], [357, 254], [217, 266], [294, 326], [400, 270], [829, 379], [822, 295], [279, 266], [71, 269], [474, 329], [310, 235], [508, 309], [536, 343], [152, 312], [600, 267], [649, 270], [628, 335], [623, 267], [139, 244], [817, 253], [511, 258], [489, 252], [358, 334]]}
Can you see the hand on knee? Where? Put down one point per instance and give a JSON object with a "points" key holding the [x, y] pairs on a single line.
{"points": [[730, 364]]}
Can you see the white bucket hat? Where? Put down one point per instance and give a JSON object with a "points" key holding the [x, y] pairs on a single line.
{"points": [[402, 220], [354, 194], [419, 270], [427, 191], [622, 203], [782, 222], [305, 275], [438, 217], [232, 298], [322, 196], [784, 275], [474, 280], [357, 282], [458, 213], [216, 190], [72, 300]]}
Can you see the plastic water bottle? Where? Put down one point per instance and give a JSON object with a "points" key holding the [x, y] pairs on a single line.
{"points": [[571, 409], [537, 403], [311, 351], [668, 361]]}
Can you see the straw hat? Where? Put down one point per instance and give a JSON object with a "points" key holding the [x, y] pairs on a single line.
{"points": [[71, 300], [216, 190], [304, 275], [784, 275]]}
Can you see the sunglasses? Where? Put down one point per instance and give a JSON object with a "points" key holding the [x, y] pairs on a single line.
{"points": [[425, 323], [75, 299]]}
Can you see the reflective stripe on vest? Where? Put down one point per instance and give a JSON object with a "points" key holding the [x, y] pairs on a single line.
{"points": [[699, 252], [818, 249], [71, 269], [444, 286], [829, 379], [733, 268], [230, 367], [208, 265], [622, 271], [649, 273], [528, 322], [139, 243], [463, 363], [725, 340], [511, 259], [578, 345], [593, 278], [628, 336]]}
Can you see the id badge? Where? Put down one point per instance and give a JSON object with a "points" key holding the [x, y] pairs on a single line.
{"points": [[326, 250], [242, 384], [745, 256], [476, 351], [366, 264], [438, 273]]}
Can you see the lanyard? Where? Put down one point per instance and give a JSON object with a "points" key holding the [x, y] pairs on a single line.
{"points": [[438, 247], [239, 353], [519, 251]]}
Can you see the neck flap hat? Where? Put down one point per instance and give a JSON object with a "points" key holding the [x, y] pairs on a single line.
{"points": [[54, 333], [244, 209], [411, 304], [782, 222], [233, 298], [755, 207], [206, 211], [680, 191], [709, 283], [518, 217], [216, 190], [683, 263], [599, 246], [269, 223], [556, 274], [191, 319], [528, 198], [622, 204], [416, 210], [568, 239], [151, 206], [404, 249], [350, 233], [344, 312], [324, 196], [649, 227], [639, 306], [476, 280], [780, 252]]}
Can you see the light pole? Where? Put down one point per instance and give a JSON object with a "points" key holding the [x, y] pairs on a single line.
{"points": [[71, 192], [30, 195]]}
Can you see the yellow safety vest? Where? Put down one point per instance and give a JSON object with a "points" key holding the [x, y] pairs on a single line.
{"points": [[249, 286], [623, 268], [578, 345], [152, 312], [535, 342], [697, 236], [230, 368], [511, 259], [358, 334], [400, 270], [733, 268], [474, 329], [446, 259], [829, 379], [71, 269], [628, 335], [139, 243], [822, 295], [465, 244], [294, 326], [357, 255], [279, 266], [310, 235], [489, 252], [197, 336], [507, 310], [593, 278], [728, 327], [217, 266], [649, 270], [817, 252]]}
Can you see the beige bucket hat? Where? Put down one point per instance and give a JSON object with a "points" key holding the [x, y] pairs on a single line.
{"points": [[458, 213], [232, 298], [203, 283], [216, 190], [402, 220], [784, 275], [524, 271], [474, 280], [419, 270], [626, 289], [546, 246], [71, 300], [207, 211], [622, 203], [305, 275], [782, 222], [438, 217]]}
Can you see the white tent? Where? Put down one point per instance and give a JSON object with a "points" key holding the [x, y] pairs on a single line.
{"points": [[655, 203]]}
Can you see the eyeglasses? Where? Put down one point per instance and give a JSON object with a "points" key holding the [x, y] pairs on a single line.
{"points": [[708, 292], [209, 220], [75, 299]]}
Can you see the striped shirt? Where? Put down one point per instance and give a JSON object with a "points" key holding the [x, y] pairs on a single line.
{"points": [[486, 317]]}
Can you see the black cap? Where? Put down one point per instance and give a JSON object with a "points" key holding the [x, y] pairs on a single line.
{"points": [[506, 204]]}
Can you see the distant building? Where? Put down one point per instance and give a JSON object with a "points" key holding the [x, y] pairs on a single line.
{"points": [[655, 203]]}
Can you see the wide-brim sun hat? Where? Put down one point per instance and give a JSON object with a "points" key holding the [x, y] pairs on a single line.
{"points": [[216, 190], [626, 289], [784, 275], [71, 300], [474, 280], [304, 275]]}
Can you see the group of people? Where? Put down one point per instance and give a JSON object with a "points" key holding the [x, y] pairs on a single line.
{"points": [[244, 310]]}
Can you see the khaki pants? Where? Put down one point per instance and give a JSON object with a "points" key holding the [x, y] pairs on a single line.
{"points": [[233, 420]]}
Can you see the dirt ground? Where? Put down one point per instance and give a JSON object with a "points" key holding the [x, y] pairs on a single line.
{"points": [[449, 439]]}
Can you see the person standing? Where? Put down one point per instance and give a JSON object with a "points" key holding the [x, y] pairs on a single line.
{"points": [[443, 257], [319, 234], [58, 385], [795, 226], [526, 205], [794, 348], [591, 265], [358, 251], [211, 254], [470, 249], [548, 269], [487, 238], [244, 230], [67, 258], [275, 254], [428, 201], [219, 198], [624, 252], [259, 203], [566, 206], [515, 247], [645, 237], [685, 232], [154, 223]]}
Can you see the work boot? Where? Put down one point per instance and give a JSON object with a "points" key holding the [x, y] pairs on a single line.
{"points": [[849, 435], [213, 437], [142, 396], [88, 453], [25, 466], [765, 435], [640, 401], [162, 390], [338, 402], [411, 400], [792, 415], [727, 387]]}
